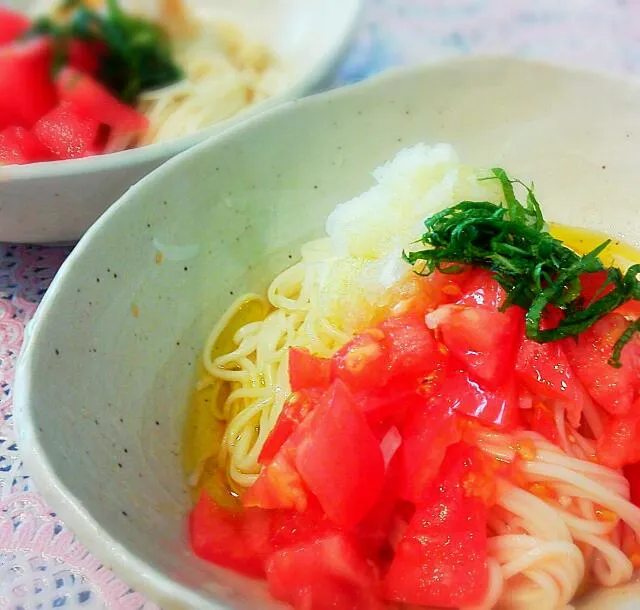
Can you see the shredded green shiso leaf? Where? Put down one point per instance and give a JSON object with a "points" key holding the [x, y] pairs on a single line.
{"points": [[137, 52], [536, 270]]}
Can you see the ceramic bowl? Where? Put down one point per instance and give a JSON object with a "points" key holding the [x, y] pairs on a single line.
{"points": [[107, 369], [57, 201]]}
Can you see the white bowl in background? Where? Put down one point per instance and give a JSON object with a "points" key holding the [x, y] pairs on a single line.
{"points": [[57, 201], [103, 382]]}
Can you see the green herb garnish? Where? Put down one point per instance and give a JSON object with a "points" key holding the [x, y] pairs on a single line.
{"points": [[535, 269], [137, 52]]}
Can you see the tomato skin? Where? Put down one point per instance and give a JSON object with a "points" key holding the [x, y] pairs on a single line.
{"points": [[19, 146], [215, 536], [308, 371], [540, 419], [84, 56], [480, 336], [442, 558], [630, 310], [67, 134], [426, 435], [279, 484], [545, 370], [93, 100], [12, 25], [618, 444], [632, 472], [411, 347], [347, 483], [498, 408], [325, 573], [295, 411], [594, 286], [363, 363], [25, 81], [612, 388]]}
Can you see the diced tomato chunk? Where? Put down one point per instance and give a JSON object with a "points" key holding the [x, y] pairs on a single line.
{"points": [[442, 558], [216, 536], [418, 294], [325, 573], [295, 410], [67, 134], [426, 435], [308, 371], [483, 340], [293, 527], [496, 407], [482, 290], [18, 146], [94, 100], [594, 286], [347, 482], [279, 484], [545, 370], [612, 388], [632, 472], [12, 25], [363, 363], [411, 348], [84, 56], [618, 444], [630, 310], [541, 419], [27, 89]]}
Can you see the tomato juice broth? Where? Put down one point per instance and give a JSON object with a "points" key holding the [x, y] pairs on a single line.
{"points": [[347, 508]]}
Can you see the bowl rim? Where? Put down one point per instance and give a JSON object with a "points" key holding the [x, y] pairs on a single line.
{"points": [[151, 582], [352, 9]]}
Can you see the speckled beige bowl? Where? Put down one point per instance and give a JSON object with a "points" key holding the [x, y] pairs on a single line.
{"points": [[105, 374]]}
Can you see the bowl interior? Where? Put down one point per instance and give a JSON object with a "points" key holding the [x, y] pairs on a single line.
{"points": [[105, 376]]}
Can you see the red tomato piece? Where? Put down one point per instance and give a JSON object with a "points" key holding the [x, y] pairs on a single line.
{"points": [[67, 134], [295, 410], [363, 363], [394, 401], [419, 294], [27, 89], [426, 435], [411, 348], [540, 419], [279, 484], [308, 371], [483, 290], [347, 482], [442, 558], [483, 340], [216, 536], [498, 407], [612, 388], [618, 444], [632, 472], [594, 286], [325, 573], [292, 527], [630, 310], [12, 25], [545, 371], [94, 100], [84, 56], [372, 532], [18, 146]]}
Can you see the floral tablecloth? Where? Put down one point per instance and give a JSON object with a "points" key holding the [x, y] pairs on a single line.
{"points": [[42, 565]]}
